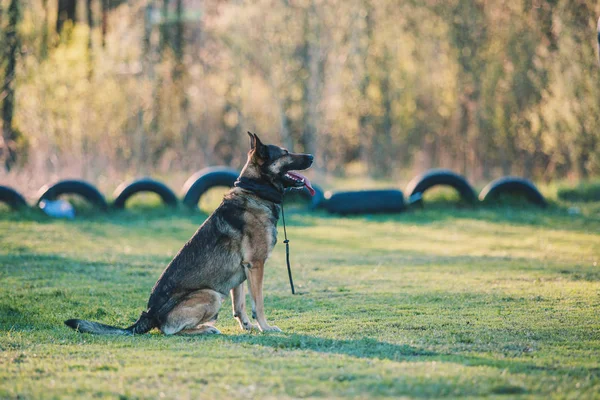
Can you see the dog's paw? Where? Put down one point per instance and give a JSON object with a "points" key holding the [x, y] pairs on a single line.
{"points": [[210, 330], [270, 329], [248, 326]]}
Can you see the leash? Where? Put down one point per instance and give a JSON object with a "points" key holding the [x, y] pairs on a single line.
{"points": [[287, 251]]}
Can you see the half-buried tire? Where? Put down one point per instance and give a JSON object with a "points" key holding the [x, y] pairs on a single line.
{"points": [[205, 179], [365, 202], [512, 186], [77, 187], [314, 202], [128, 189], [439, 177], [11, 197]]}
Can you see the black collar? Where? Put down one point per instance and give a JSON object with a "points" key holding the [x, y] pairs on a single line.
{"points": [[261, 189]]}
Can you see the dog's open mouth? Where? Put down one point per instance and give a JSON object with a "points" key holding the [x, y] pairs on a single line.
{"points": [[298, 180]]}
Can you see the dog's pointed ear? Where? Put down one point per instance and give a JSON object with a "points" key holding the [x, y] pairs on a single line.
{"points": [[252, 140], [257, 142], [259, 148]]}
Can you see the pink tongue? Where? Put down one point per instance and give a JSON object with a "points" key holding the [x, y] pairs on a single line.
{"points": [[306, 182]]}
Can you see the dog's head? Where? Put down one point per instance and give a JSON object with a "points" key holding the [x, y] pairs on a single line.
{"points": [[276, 166]]}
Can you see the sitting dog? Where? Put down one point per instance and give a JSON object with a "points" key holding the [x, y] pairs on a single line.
{"points": [[230, 247]]}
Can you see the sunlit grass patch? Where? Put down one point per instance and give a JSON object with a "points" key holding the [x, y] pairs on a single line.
{"points": [[440, 302]]}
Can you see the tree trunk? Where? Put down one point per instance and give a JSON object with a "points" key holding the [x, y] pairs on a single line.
{"points": [[157, 91], [314, 64], [149, 59], [67, 11], [90, 49], [104, 21], [11, 43], [148, 56], [383, 142], [178, 41], [463, 127], [364, 119], [582, 161], [285, 130], [44, 46], [164, 27]]}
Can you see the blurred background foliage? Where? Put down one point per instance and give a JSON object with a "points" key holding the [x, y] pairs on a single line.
{"points": [[375, 88]]}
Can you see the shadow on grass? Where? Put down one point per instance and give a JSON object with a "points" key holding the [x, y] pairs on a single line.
{"points": [[13, 316], [21, 262], [361, 348], [132, 215], [367, 348]]}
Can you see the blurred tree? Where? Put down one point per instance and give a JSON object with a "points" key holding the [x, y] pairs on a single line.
{"points": [[67, 12], [374, 87], [105, 4], [45, 32], [90, 47], [11, 44]]}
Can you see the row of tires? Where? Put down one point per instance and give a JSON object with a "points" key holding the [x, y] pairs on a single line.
{"points": [[194, 188], [356, 202], [390, 201]]}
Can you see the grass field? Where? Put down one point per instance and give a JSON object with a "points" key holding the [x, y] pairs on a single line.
{"points": [[443, 302]]}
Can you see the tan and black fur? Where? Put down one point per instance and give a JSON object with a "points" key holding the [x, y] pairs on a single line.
{"points": [[230, 247]]}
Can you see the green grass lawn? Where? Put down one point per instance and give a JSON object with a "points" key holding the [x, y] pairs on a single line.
{"points": [[445, 302]]}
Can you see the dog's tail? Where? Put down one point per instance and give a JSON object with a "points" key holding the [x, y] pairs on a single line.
{"points": [[144, 324]]}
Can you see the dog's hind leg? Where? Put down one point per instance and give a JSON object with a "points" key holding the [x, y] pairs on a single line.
{"points": [[238, 301], [193, 315], [201, 330]]}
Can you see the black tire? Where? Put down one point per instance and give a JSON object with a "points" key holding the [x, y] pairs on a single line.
{"points": [[205, 179], [512, 186], [365, 202], [314, 202], [11, 197], [80, 188], [439, 177], [128, 189]]}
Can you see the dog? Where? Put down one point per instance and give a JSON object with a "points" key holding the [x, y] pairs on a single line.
{"points": [[230, 247]]}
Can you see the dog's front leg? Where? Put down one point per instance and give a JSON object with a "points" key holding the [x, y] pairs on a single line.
{"points": [[255, 278], [238, 301], [252, 301]]}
